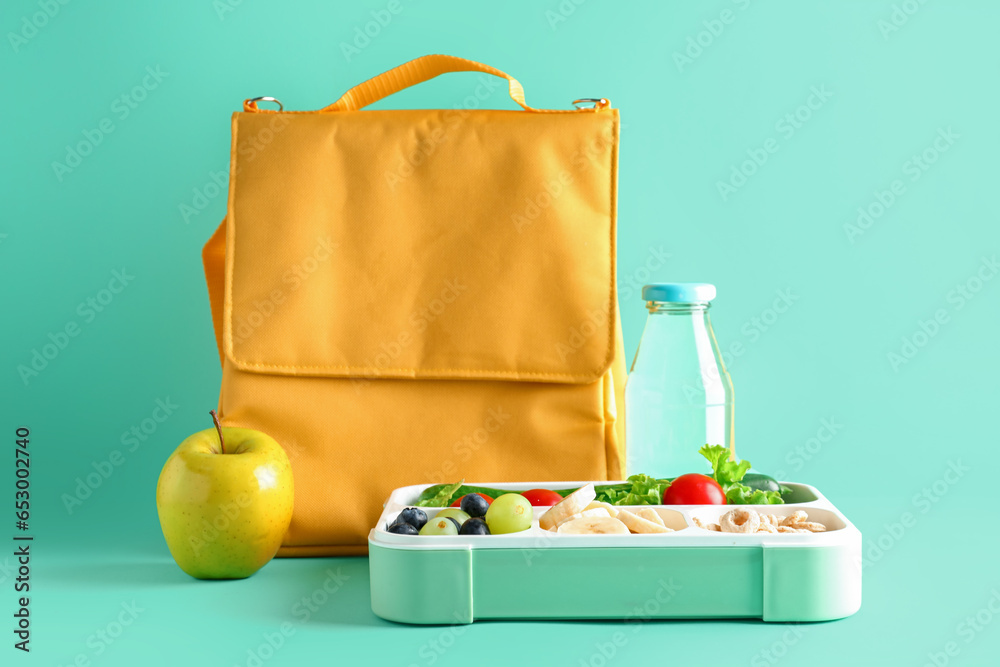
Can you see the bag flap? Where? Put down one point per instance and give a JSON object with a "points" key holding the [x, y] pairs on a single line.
{"points": [[423, 244]]}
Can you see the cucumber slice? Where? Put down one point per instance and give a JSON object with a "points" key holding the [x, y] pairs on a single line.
{"points": [[759, 481]]}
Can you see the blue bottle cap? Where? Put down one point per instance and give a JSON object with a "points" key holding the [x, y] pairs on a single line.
{"points": [[679, 292]]}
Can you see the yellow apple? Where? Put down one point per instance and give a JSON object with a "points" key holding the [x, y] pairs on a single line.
{"points": [[225, 502]]}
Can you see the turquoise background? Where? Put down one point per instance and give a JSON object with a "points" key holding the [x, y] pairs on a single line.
{"points": [[888, 90]]}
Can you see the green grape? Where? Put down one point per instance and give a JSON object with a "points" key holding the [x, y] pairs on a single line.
{"points": [[510, 513], [454, 513], [442, 526]]}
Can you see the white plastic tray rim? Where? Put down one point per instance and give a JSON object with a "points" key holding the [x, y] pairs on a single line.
{"points": [[679, 517]]}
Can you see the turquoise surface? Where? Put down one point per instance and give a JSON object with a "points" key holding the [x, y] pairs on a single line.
{"points": [[830, 166]]}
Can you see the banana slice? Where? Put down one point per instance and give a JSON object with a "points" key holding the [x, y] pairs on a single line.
{"points": [[593, 525], [572, 504], [639, 525], [587, 513], [650, 514], [612, 510]]}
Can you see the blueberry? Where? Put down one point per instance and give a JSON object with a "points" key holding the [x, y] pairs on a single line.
{"points": [[414, 516], [403, 528], [458, 526], [474, 504], [474, 527]]}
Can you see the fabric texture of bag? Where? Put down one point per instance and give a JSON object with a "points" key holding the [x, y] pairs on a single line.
{"points": [[416, 296]]}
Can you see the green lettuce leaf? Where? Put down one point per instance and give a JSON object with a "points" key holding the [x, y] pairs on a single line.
{"points": [[638, 490], [741, 494], [723, 470], [442, 496], [729, 473]]}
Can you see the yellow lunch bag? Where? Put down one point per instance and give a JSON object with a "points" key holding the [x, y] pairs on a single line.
{"points": [[419, 296]]}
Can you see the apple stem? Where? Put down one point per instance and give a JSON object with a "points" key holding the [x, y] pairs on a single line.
{"points": [[218, 427]]}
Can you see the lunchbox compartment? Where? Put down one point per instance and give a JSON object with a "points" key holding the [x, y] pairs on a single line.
{"points": [[680, 518], [709, 514], [689, 573]]}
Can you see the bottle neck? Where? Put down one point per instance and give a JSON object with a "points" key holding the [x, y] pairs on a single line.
{"points": [[672, 308], [676, 331]]}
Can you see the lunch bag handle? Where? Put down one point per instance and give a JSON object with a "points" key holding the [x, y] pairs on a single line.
{"points": [[417, 71]]}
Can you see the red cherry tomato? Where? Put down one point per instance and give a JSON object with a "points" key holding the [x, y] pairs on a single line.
{"points": [[694, 489], [485, 497], [542, 497]]}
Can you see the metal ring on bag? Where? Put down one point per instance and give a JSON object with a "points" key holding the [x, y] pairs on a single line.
{"points": [[281, 107], [594, 102]]}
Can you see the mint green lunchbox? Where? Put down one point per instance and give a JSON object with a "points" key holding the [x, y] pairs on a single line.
{"points": [[689, 573]]}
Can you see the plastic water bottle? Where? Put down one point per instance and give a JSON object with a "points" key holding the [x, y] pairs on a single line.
{"points": [[679, 395]]}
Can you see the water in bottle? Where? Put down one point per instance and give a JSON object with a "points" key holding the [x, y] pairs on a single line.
{"points": [[678, 396]]}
